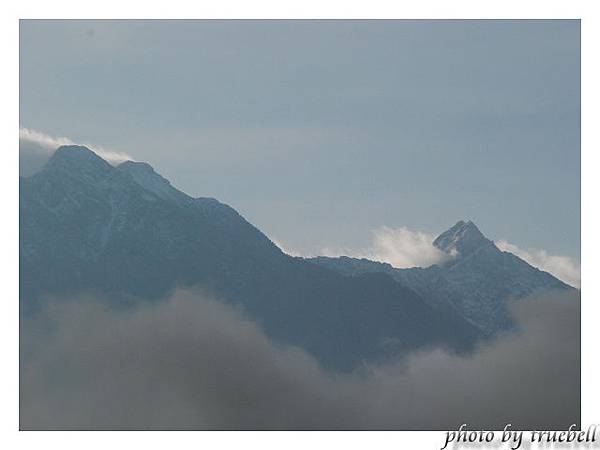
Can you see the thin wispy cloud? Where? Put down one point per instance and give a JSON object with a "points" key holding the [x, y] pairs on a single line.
{"points": [[35, 147], [562, 267]]}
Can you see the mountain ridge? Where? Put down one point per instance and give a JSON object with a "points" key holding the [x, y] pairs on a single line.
{"points": [[126, 234], [479, 281]]}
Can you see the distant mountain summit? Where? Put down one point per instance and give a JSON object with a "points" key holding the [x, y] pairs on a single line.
{"points": [[127, 235], [478, 281], [124, 231], [78, 160], [462, 239]]}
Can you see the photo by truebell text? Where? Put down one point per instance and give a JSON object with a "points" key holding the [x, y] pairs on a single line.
{"points": [[514, 438]]}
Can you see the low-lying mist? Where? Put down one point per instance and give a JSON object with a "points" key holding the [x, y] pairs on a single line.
{"points": [[196, 363]]}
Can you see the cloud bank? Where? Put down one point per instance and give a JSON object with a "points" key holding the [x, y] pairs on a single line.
{"points": [[194, 363], [36, 147], [562, 267]]}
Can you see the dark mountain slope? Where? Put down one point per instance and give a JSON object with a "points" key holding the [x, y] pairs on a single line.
{"points": [[127, 234]]}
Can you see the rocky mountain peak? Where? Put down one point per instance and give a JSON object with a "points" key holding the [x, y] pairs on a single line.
{"points": [[77, 156], [77, 161], [462, 239]]}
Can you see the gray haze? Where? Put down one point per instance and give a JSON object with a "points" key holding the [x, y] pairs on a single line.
{"points": [[321, 131], [193, 363]]}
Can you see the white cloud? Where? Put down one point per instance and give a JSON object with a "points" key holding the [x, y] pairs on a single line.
{"points": [[562, 267], [36, 147], [43, 140], [400, 247]]}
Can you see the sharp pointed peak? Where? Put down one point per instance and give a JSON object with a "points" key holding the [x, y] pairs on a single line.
{"points": [[462, 238], [465, 226]]}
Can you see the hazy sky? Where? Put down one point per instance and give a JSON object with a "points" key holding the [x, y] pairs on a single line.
{"points": [[319, 132]]}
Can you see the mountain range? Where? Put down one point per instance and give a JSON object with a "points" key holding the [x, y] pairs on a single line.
{"points": [[477, 279], [126, 235]]}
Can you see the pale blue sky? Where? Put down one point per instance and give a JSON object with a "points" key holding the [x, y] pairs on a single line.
{"points": [[320, 131]]}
